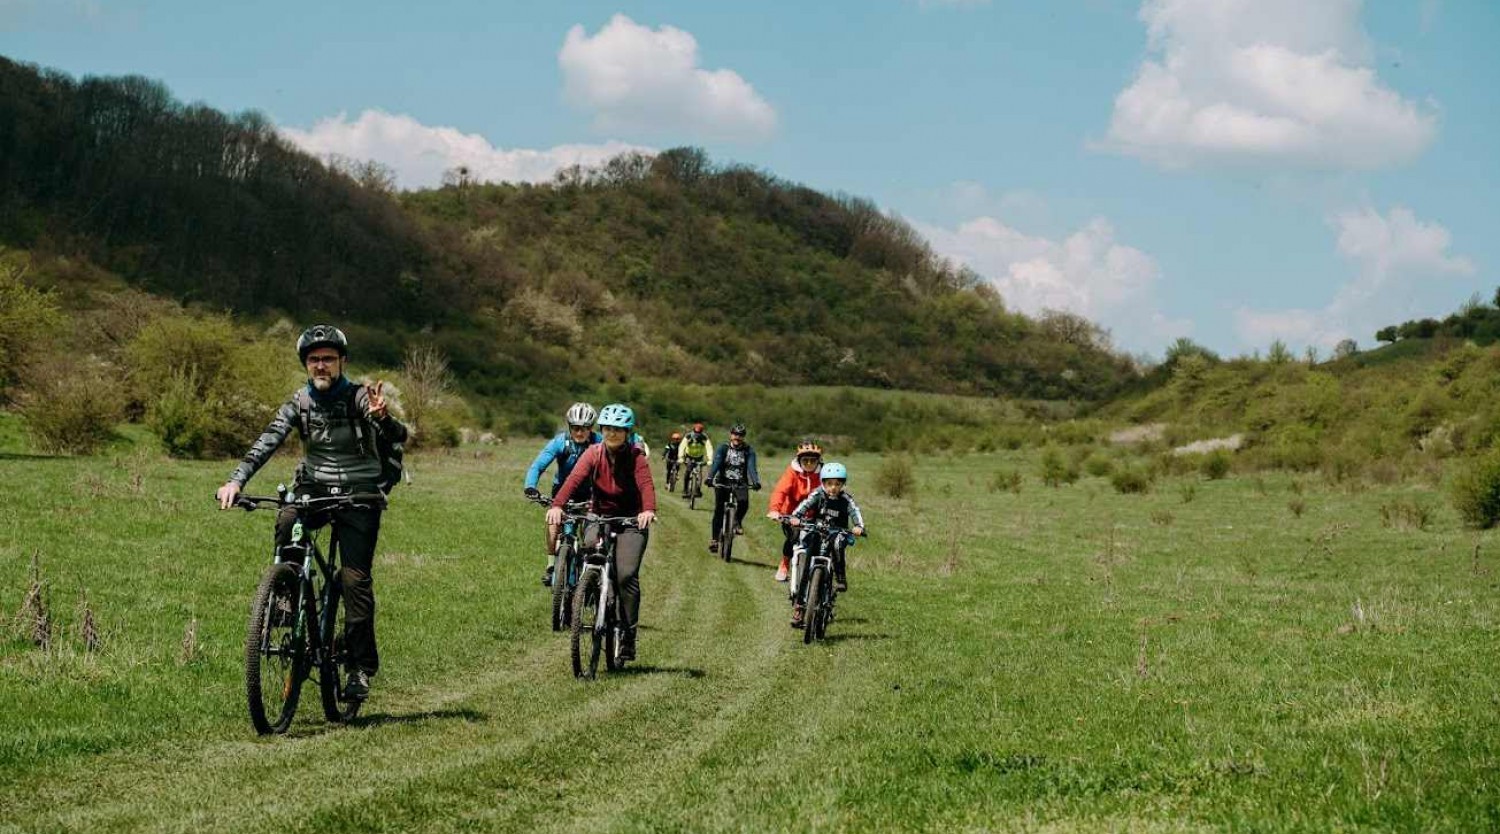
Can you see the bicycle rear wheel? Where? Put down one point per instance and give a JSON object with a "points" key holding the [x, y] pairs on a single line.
{"points": [[332, 675], [275, 658], [585, 611], [813, 613], [560, 596]]}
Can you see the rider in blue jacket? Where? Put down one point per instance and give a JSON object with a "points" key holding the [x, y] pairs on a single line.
{"points": [[564, 450]]}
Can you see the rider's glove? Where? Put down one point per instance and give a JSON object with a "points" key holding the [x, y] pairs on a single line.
{"points": [[755, 487], [533, 493]]}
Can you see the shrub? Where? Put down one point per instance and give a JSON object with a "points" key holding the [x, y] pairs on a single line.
{"points": [[895, 477], [26, 315], [1215, 465], [1405, 514], [207, 388], [1099, 466], [1476, 492], [1007, 480], [1055, 470], [73, 412], [1187, 492], [1131, 479]]}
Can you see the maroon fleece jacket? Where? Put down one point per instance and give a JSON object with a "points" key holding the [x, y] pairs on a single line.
{"points": [[622, 482]]}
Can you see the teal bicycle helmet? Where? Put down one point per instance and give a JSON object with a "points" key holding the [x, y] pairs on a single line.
{"points": [[617, 416], [835, 470]]}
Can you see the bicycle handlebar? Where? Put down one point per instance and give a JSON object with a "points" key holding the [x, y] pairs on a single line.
{"points": [[818, 526], [571, 508], [250, 503]]}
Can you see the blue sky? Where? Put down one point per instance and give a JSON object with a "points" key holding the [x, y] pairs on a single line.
{"points": [[1233, 171]]}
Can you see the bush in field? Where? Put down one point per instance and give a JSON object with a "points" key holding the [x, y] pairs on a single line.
{"points": [[1215, 465], [73, 411], [1131, 479], [895, 477], [1405, 514], [1006, 480], [1055, 470], [1476, 492], [1099, 466], [26, 316], [207, 389]]}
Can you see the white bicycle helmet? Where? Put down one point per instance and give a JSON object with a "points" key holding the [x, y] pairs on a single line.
{"points": [[581, 414]]}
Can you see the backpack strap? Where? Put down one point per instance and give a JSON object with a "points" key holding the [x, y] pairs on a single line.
{"points": [[304, 405]]}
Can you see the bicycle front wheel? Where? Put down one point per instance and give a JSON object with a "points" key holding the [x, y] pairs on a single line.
{"points": [[585, 611], [726, 536], [812, 618], [275, 658], [560, 597], [335, 661]]}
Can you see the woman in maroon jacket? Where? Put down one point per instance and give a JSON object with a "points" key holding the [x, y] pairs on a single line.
{"points": [[620, 473]]}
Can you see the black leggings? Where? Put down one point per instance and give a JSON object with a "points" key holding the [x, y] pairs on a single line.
{"points": [[630, 550], [357, 531]]}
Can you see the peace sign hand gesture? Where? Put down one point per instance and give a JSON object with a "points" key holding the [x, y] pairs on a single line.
{"points": [[377, 407]]}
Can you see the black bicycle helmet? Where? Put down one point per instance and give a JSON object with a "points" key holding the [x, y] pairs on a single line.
{"points": [[322, 335], [737, 428]]}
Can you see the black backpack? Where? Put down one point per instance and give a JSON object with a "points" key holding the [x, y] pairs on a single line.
{"points": [[391, 455]]}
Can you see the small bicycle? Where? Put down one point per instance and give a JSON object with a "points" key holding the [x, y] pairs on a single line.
{"points": [[296, 625], [596, 603], [672, 467], [821, 592], [569, 563]]}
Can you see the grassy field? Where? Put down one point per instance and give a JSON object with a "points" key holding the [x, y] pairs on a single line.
{"points": [[1197, 658]]}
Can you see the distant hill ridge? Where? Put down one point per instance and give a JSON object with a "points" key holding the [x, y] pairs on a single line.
{"points": [[666, 266]]}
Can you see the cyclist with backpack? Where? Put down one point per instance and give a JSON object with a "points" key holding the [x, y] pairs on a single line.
{"points": [[351, 444], [733, 470], [693, 452], [797, 482], [618, 474], [832, 504], [564, 450]]}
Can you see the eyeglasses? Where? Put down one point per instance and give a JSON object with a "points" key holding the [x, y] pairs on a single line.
{"points": [[323, 360], [578, 428]]}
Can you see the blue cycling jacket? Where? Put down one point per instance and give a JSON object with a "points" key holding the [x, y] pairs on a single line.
{"points": [[565, 452]]}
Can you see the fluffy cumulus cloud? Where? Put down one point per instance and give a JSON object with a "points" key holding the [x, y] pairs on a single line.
{"points": [[1089, 273], [1263, 82], [419, 154], [1395, 257], [638, 80]]}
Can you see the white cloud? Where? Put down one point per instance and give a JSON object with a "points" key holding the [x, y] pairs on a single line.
{"points": [[638, 80], [1263, 82], [1395, 255], [1088, 273], [420, 154]]}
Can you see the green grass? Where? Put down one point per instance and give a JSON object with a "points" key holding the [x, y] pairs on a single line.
{"points": [[1053, 660]]}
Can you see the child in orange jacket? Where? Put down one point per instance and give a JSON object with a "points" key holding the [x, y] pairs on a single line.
{"points": [[797, 482]]}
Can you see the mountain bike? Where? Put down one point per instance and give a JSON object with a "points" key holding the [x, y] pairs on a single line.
{"points": [[296, 626], [597, 617], [726, 531], [569, 563], [692, 483], [820, 590], [672, 467]]}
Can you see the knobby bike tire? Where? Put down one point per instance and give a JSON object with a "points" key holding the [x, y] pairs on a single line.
{"points": [[560, 596], [692, 489], [726, 536], [273, 683], [335, 669], [585, 602], [813, 611], [611, 636], [671, 479]]}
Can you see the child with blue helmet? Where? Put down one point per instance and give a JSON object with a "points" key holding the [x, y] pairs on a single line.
{"points": [[831, 504]]}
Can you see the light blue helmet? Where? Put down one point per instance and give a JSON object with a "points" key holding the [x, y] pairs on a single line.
{"points": [[835, 470], [617, 415]]}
